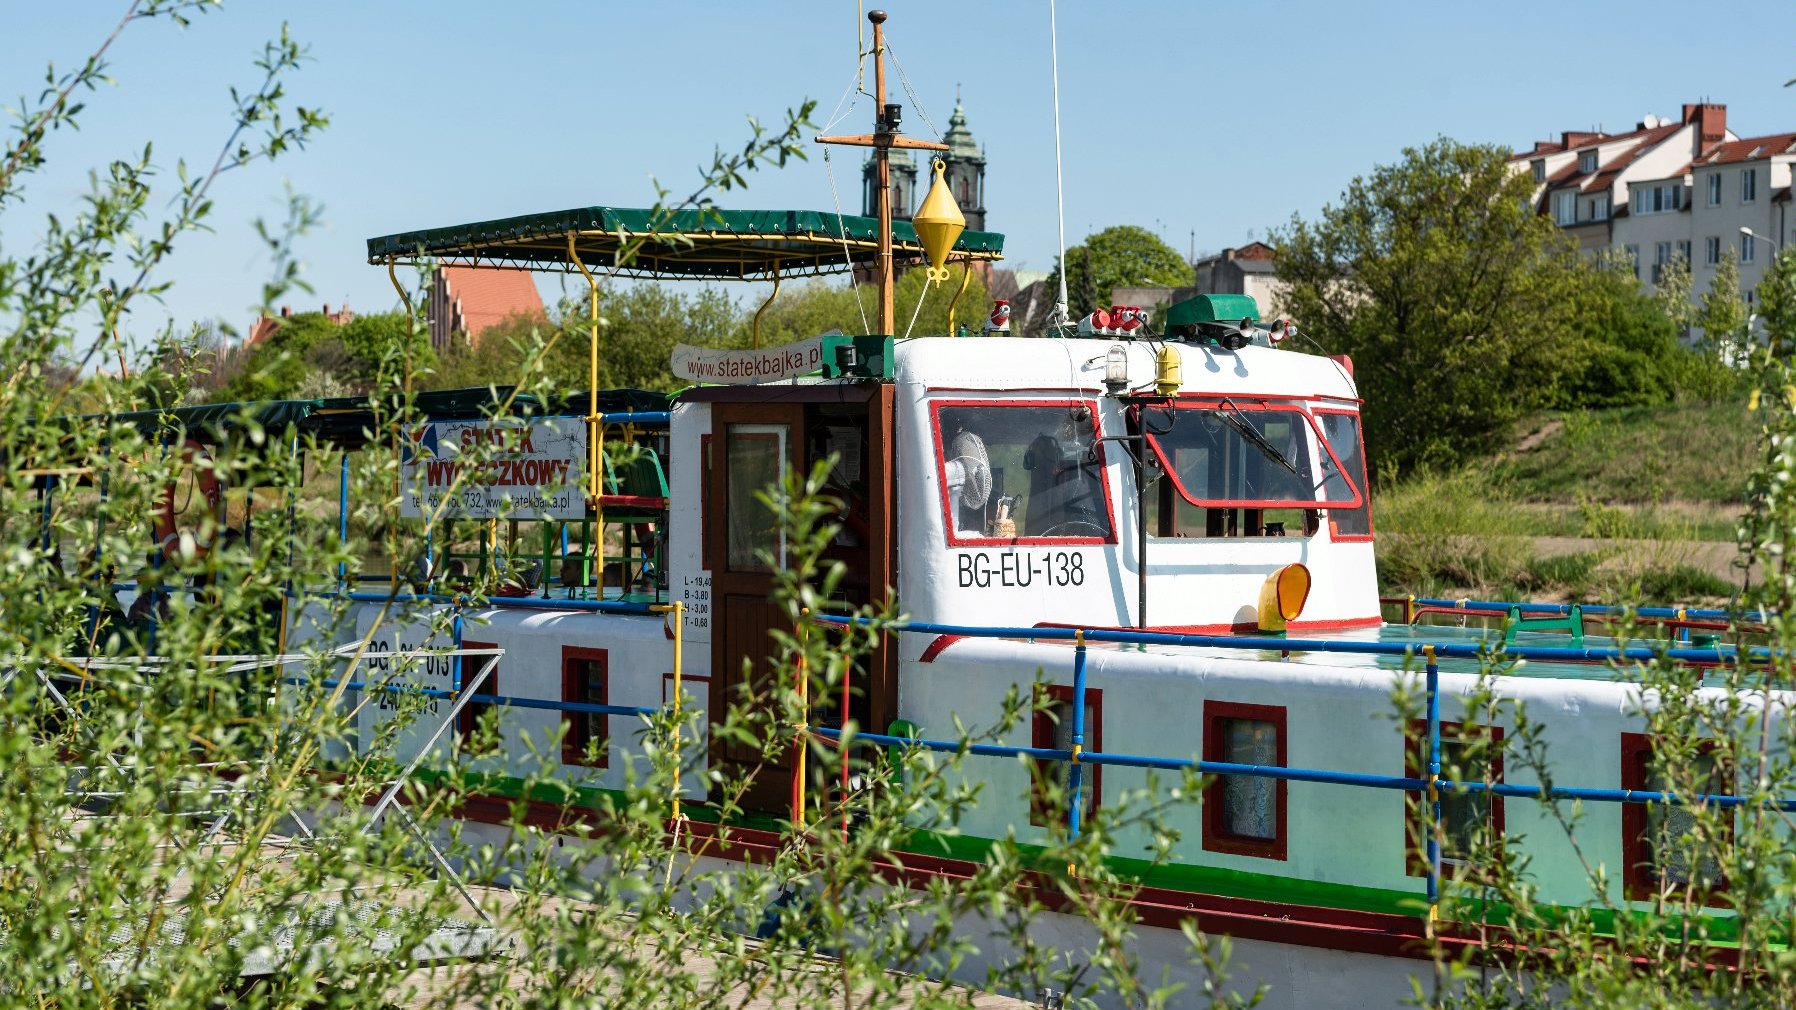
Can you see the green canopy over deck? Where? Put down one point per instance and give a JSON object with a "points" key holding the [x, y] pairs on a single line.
{"points": [[749, 245]]}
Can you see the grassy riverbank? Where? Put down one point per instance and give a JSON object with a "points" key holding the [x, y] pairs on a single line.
{"points": [[1583, 506]]}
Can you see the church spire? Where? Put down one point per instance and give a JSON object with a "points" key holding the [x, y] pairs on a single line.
{"points": [[966, 166]]}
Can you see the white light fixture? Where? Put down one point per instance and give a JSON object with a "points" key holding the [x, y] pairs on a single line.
{"points": [[1116, 369]]}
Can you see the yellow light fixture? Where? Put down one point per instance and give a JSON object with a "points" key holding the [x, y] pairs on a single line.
{"points": [[1169, 369], [939, 223], [1282, 597]]}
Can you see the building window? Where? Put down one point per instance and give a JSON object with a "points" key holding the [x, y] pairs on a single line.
{"points": [[585, 681], [1658, 839], [1714, 189], [1468, 754], [1746, 243], [1052, 728], [1749, 185], [1565, 208], [1587, 161], [1632, 254], [1661, 198], [468, 719], [1684, 251], [1540, 170], [1599, 208], [1244, 814], [1711, 250]]}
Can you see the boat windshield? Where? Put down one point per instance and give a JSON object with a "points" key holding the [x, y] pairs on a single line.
{"points": [[1249, 454]]}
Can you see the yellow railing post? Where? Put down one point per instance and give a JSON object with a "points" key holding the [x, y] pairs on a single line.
{"points": [[804, 709], [966, 274], [594, 437], [679, 633], [775, 293]]}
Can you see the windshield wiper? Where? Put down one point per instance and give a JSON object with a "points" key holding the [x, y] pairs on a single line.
{"points": [[1253, 436]]}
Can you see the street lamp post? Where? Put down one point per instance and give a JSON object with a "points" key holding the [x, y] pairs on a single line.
{"points": [[1776, 246]]}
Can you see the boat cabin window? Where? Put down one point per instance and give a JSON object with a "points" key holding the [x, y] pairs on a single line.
{"points": [[1050, 788], [1022, 473], [1341, 429], [1469, 820], [756, 455], [1243, 468], [1244, 815], [1659, 840]]}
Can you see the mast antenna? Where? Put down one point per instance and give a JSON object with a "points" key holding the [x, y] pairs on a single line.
{"points": [[1058, 319], [884, 137]]}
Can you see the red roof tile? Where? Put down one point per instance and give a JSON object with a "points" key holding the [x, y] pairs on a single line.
{"points": [[1749, 149], [487, 297]]}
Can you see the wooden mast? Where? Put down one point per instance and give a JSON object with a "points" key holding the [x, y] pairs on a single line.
{"points": [[884, 137]]}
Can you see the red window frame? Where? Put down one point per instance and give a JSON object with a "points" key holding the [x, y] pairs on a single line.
{"points": [[941, 473], [1041, 734], [469, 716], [1363, 484], [1639, 883], [1210, 401], [1217, 837], [579, 732], [1415, 765]]}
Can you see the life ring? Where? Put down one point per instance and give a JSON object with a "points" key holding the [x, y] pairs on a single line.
{"points": [[170, 537]]}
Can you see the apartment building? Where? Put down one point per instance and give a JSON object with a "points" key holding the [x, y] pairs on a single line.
{"points": [[1733, 197], [1689, 188]]}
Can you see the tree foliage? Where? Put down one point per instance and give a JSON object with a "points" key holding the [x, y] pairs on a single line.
{"points": [[1463, 309], [1722, 314], [1122, 255]]}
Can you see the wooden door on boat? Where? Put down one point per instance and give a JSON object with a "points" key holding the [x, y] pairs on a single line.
{"points": [[757, 445]]}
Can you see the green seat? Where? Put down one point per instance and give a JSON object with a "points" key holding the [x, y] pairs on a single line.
{"points": [[641, 477], [1572, 623]]}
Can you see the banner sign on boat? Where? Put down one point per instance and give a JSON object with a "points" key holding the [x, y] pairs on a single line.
{"points": [[491, 469], [747, 366]]}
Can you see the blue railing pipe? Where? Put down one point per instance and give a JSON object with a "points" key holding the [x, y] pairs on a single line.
{"points": [[1450, 650], [1433, 674], [645, 418], [1075, 776]]}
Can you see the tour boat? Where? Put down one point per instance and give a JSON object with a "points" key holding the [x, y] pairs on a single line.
{"points": [[1161, 524]]}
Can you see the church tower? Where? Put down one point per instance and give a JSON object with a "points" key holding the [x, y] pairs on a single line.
{"points": [[966, 168], [904, 186]]}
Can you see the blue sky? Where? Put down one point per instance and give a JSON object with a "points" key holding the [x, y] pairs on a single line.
{"points": [[1218, 119]]}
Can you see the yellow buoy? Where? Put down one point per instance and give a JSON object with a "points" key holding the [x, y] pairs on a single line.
{"points": [[939, 223]]}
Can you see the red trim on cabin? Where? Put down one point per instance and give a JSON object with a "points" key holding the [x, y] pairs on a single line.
{"points": [[1085, 391], [580, 734], [936, 647], [1415, 765], [1212, 403], [1334, 534], [941, 474]]}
